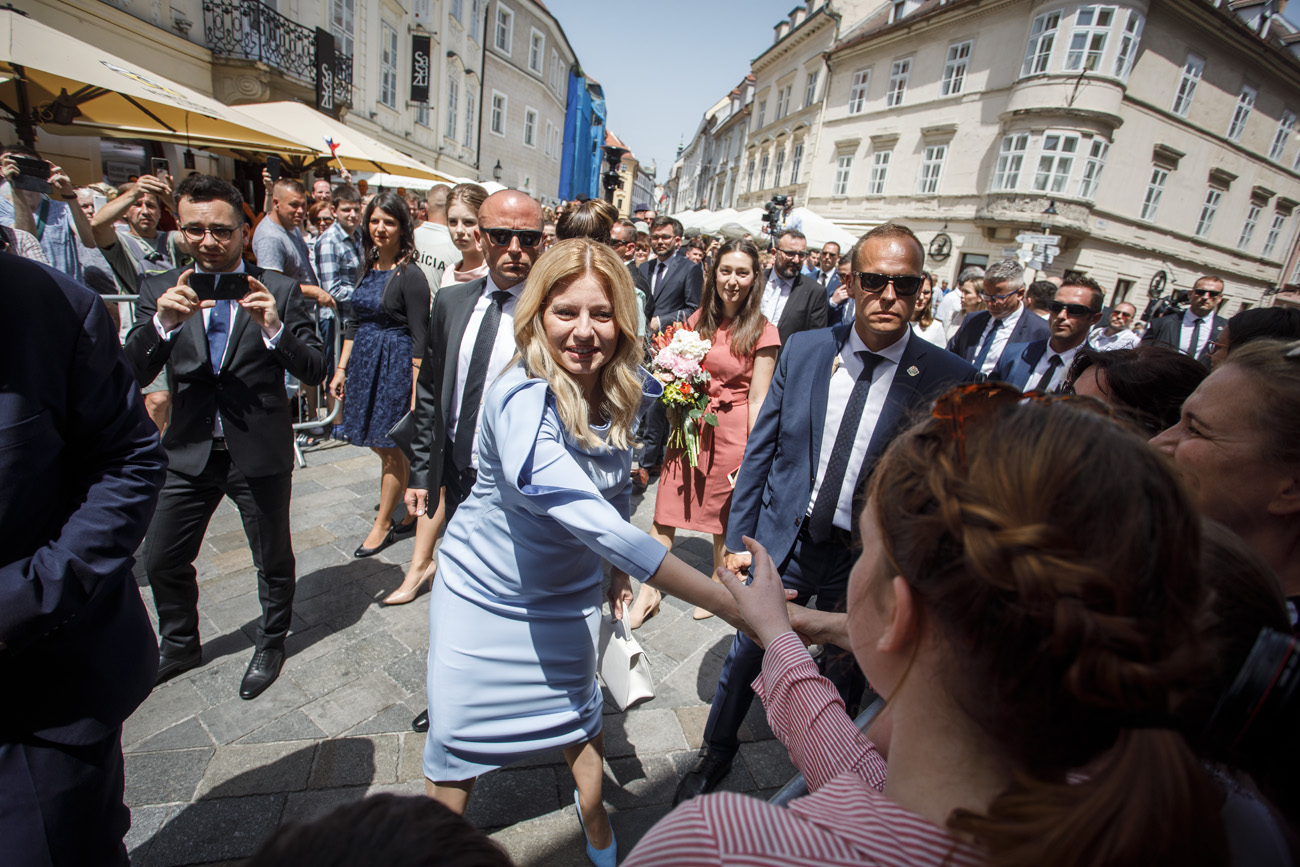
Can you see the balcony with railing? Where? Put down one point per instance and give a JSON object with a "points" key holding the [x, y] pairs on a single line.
{"points": [[249, 31]]}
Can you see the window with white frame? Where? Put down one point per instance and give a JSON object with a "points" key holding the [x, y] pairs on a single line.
{"points": [[897, 9], [1128, 45], [1155, 187], [343, 25], [555, 71], [1042, 37], [474, 19], [1011, 158], [530, 127], [954, 68], [497, 123], [1248, 227], [1193, 67], [536, 50], [783, 101], [1284, 127], [843, 167], [810, 89], [760, 118], [1240, 114], [550, 128], [858, 91], [762, 172], [1092, 166], [1208, 209], [931, 169], [453, 92], [879, 172], [749, 176], [468, 141], [505, 29], [387, 64], [1274, 233], [422, 113], [458, 10], [557, 149], [898, 75], [796, 162], [1088, 38], [779, 168], [1056, 162]]}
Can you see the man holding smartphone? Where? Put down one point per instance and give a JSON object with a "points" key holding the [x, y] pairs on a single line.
{"points": [[38, 197], [231, 432]]}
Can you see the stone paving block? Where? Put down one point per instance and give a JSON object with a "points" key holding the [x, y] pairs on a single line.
{"points": [[693, 720], [409, 671], [187, 734], [218, 587], [336, 496], [220, 680], [321, 554], [293, 726], [229, 541], [347, 528], [552, 840], [340, 710], [640, 781], [343, 603], [375, 651], [412, 626], [355, 761], [326, 674], [166, 705], [228, 561], [631, 825], [395, 719], [312, 804], [410, 761], [216, 830], [768, 763], [512, 795], [682, 638], [643, 731], [164, 777], [145, 823], [304, 480], [257, 769], [304, 645], [232, 719], [225, 520], [233, 613], [354, 477]]}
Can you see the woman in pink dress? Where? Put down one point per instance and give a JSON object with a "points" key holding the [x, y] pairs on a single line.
{"points": [[740, 364]]}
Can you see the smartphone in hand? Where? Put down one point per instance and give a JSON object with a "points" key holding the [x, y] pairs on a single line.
{"points": [[219, 287], [161, 170], [274, 167]]}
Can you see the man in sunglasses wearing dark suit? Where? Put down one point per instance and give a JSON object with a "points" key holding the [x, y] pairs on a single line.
{"points": [[1192, 331], [1043, 364], [839, 396], [985, 334]]}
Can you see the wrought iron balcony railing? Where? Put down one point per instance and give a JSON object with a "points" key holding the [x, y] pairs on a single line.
{"points": [[250, 30]]}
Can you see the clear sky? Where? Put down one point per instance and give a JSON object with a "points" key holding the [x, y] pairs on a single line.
{"points": [[663, 64]]}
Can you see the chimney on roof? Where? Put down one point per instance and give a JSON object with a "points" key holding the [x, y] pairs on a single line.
{"points": [[779, 30]]}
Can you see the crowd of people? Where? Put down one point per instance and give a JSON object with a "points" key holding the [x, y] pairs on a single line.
{"points": [[1055, 547]]}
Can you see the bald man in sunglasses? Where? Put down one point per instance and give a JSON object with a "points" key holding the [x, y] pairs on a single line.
{"points": [[1192, 331]]}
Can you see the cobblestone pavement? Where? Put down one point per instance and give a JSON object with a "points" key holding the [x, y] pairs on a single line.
{"points": [[209, 776]]}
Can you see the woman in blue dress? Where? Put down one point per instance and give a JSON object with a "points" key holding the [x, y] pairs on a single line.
{"points": [[383, 345], [514, 617]]}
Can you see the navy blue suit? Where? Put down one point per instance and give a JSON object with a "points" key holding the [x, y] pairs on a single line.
{"points": [[675, 298], [80, 468], [775, 484], [966, 342], [1018, 362]]}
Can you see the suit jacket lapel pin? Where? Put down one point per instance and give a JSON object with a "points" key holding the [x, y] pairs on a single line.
{"points": [[912, 371], [835, 363]]}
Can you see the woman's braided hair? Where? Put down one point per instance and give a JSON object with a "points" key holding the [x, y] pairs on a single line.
{"points": [[1058, 558]]}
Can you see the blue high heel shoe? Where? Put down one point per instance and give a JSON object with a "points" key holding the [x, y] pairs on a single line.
{"points": [[607, 857]]}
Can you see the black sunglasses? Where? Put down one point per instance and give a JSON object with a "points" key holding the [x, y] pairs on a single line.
{"points": [[1213, 293], [527, 237], [904, 284], [1070, 309]]}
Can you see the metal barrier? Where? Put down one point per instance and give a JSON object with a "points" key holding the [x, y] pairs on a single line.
{"points": [[798, 786], [126, 310]]}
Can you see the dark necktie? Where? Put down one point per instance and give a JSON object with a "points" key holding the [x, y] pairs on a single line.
{"points": [[1043, 381], [218, 333], [467, 420], [658, 275], [828, 496], [1196, 338], [987, 345]]}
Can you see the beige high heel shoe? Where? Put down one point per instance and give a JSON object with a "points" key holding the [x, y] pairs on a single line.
{"points": [[641, 610], [402, 597]]}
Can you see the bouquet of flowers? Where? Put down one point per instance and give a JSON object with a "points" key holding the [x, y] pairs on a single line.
{"points": [[678, 354]]}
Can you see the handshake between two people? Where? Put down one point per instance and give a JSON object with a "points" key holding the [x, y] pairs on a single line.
{"points": [[765, 603]]}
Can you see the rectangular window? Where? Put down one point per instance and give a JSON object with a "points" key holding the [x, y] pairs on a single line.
{"points": [[468, 141], [1056, 162], [897, 10], [1248, 228], [530, 127], [749, 176], [550, 127], [342, 25], [780, 167], [458, 10], [1282, 136], [453, 88], [1011, 158], [796, 162], [810, 91], [1274, 233], [1042, 36], [555, 71], [474, 19], [422, 113], [954, 69], [783, 101], [843, 167], [932, 169], [536, 51], [762, 112], [498, 123], [898, 74], [1088, 39], [1208, 208], [879, 172], [1155, 186], [505, 32], [1240, 114], [1128, 46], [1192, 69], [858, 90], [762, 173], [1092, 167], [387, 65]]}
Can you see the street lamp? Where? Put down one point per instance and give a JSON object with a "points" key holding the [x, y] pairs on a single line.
{"points": [[496, 172], [613, 156]]}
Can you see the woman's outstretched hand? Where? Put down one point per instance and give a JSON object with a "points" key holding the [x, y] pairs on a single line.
{"points": [[620, 593], [763, 601]]}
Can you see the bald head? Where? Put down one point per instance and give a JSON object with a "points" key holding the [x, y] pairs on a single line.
{"points": [[513, 212]]}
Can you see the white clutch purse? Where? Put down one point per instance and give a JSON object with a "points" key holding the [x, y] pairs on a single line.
{"points": [[622, 664]]}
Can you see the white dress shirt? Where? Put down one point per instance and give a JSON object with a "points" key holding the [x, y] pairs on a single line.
{"points": [[1058, 376], [1124, 339], [503, 349], [1000, 339], [1189, 325], [775, 294], [841, 386]]}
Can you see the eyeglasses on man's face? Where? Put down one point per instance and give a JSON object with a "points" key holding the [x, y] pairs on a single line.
{"points": [[904, 284], [221, 234]]}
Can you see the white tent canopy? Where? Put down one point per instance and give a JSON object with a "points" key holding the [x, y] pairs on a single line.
{"points": [[733, 224], [392, 182]]}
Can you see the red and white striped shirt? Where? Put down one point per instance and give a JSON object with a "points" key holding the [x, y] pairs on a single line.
{"points": [[846, 819]]}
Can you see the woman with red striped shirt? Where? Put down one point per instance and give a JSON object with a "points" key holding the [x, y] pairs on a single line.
{"points": [[1026, 601]]}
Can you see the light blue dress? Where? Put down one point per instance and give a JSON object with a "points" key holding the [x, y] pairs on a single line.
{"points": [[515, 610]]}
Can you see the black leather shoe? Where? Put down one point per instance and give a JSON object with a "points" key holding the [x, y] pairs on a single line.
{"points": [[262, 672], [170, 666], [400, 529], [421, 722], [363, 551], [704, 779]]}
